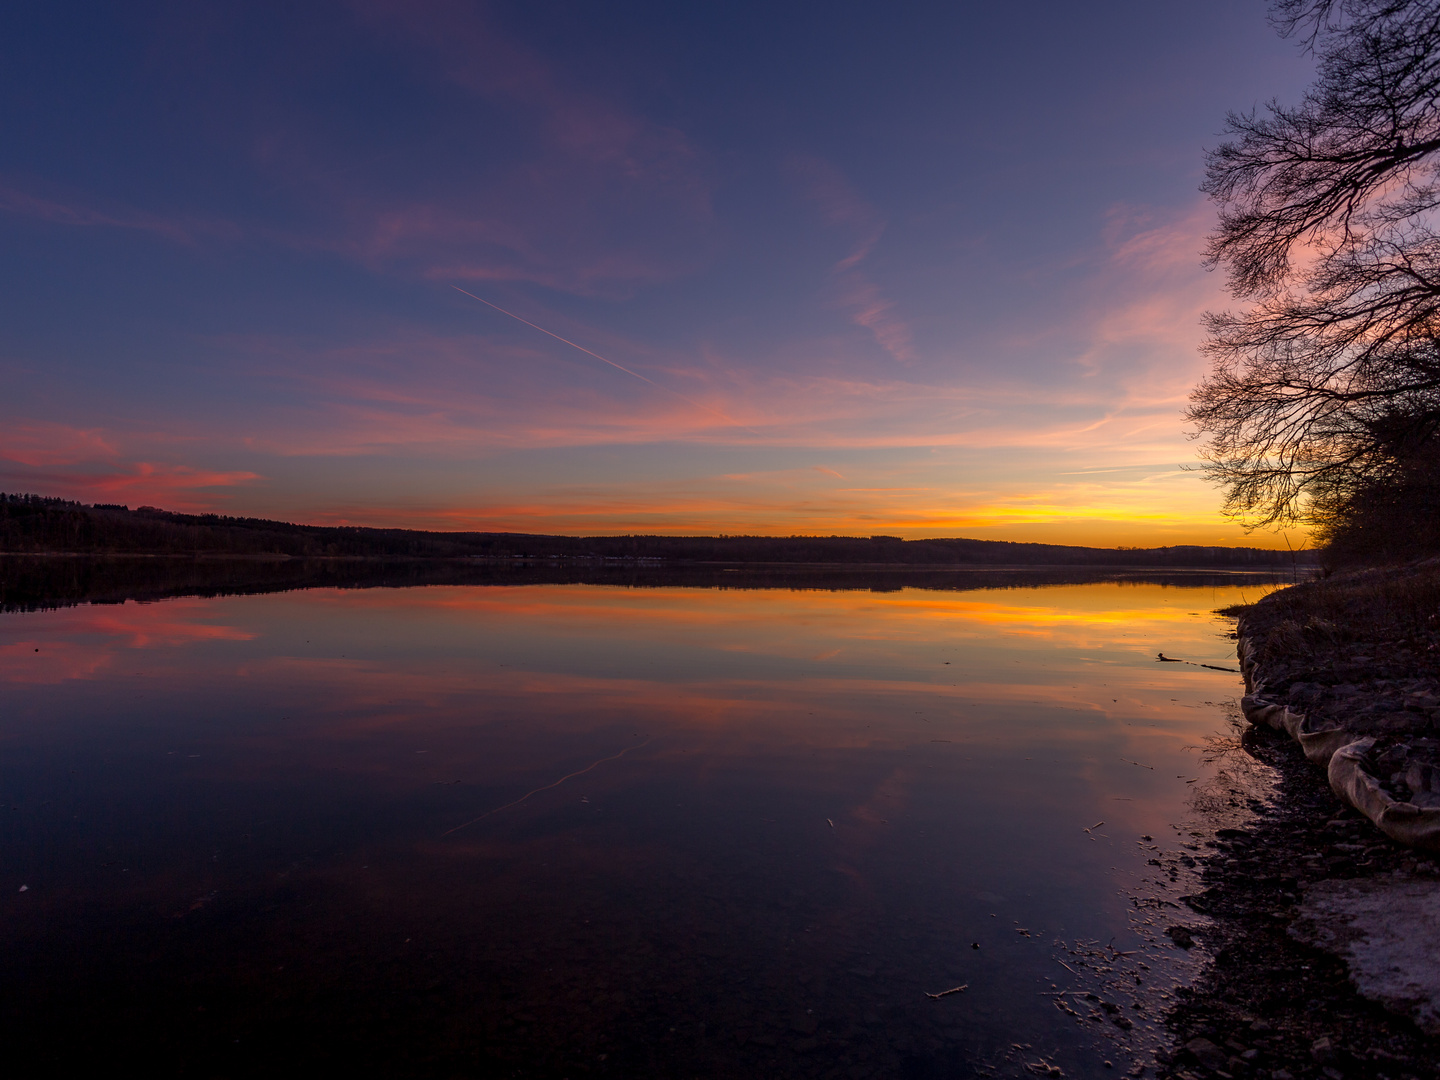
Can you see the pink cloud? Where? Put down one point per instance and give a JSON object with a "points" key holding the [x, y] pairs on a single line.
{"points": [[1142, 238], [89, 463], [839, 204], [461, 393], [43, 443], [871, 309], [173, 487], [145, 477], [1152, 292]]}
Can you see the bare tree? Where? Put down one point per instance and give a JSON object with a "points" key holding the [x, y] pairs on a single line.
{"points": [[1330, 380]]}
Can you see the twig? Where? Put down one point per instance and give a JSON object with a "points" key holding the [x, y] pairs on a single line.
{"points": [[1162, 658], [953, 990]]}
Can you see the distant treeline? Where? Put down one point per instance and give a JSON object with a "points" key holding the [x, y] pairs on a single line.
{"points": [[35, 524]]}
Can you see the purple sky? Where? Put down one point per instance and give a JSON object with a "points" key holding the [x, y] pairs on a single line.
{"points": [[916, 269]]}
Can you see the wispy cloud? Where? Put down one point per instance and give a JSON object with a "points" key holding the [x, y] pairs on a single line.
{"points": [[841, 207], [418, 391], [179, 229], [586, 194], [589, 197], [1153, 286]]}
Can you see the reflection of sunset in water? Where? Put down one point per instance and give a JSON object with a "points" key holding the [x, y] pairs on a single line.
{"points": [[842, 614], [813, 782]]}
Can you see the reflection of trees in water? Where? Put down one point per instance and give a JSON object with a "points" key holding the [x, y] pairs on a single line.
{"points": [[29, 583]]}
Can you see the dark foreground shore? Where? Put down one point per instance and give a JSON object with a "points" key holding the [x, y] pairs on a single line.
{"points": [[1270, 1004], [1325, 931]]}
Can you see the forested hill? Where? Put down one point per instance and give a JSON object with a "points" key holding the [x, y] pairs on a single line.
{"points": [[32, 523]]}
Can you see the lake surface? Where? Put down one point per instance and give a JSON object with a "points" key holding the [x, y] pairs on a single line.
{"points": [[566, 829]]}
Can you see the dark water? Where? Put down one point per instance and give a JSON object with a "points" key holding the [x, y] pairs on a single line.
{"points": [[558, 830]]}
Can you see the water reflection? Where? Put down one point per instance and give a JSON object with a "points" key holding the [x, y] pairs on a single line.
{"points": [[543, 829]]}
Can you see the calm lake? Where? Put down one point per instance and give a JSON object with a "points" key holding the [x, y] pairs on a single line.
{"points": [[559, 830]]}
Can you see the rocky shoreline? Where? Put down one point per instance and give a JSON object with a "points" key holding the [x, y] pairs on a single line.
{"points": [[1366, 711], [1324, 910]]}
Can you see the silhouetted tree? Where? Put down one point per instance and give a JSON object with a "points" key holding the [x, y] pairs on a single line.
{"points": [[1328, 385]]}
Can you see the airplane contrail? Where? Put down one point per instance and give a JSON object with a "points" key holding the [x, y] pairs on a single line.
{"points": [[603, 360]]}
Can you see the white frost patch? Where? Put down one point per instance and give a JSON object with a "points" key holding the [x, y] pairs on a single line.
{"points": [[1387, 930]]}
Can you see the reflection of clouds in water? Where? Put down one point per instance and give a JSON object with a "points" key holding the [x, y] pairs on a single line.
{"points": [[819, 624], [50, 662], [79, 643], [932, 668], [842, 799], [156, 625]]}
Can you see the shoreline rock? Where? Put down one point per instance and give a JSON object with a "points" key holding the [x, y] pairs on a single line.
{"points": [[1376, 737]]}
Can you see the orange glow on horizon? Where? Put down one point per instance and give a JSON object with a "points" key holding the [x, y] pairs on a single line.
{"points": [[1097, 525]]}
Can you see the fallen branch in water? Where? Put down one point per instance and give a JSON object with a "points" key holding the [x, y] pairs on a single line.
{"points": [[1162, 658], [952, 990]]}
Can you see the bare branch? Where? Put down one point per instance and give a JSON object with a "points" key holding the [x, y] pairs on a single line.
{"points": [[1330, 380]]}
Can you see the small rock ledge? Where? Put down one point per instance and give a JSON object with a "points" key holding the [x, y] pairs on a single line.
{"points": [[1361, 696]]}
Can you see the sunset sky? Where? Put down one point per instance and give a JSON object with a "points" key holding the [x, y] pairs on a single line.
{"points": [[921, 269]]}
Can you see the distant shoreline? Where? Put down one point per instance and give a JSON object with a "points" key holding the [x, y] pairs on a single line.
{"points": [[42, 526]]}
